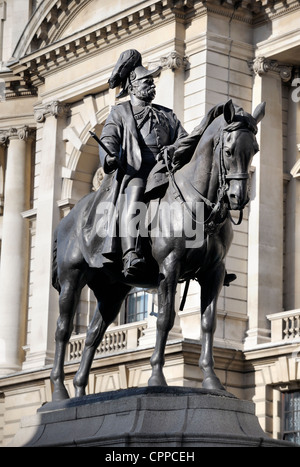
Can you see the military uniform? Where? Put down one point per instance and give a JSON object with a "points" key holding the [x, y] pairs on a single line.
{"points": [[134, 135]]}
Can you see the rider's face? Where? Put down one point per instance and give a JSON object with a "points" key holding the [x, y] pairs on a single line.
{"points": [[144, 89]]}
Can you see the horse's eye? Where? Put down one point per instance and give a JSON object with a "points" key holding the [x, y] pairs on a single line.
{"points": [[228, 152]]}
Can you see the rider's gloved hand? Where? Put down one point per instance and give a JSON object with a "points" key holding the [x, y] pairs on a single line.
{"points": [[170, 151], [112, 162], [176, 163]]}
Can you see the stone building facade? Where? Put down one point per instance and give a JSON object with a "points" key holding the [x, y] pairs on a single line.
{"points": [[55, 60]]}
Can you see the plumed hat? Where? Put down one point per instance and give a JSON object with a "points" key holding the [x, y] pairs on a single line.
{"points": [[128, 69]]}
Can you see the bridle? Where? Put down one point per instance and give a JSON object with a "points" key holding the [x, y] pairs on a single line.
{"points": [[224, 176]]}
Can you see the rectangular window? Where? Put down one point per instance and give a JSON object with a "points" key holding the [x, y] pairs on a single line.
{"points": [[136, 306], [291, 416]]}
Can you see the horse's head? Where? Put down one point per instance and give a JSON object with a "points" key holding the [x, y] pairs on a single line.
{"points": [[238, 146]]}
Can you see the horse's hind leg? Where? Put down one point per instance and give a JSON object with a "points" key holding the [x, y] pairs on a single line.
{"points": [[68, 301], [107, 309]]}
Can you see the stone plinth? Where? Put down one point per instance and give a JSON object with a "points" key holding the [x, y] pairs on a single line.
{"points": [[146, 417]]}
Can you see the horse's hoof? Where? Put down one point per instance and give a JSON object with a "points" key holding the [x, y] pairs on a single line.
{"points": [[157, 381], [59, 395], [79, 391], [212, 383]]}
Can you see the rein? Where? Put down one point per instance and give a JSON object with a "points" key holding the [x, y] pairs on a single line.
{"points": [[211, 205]]}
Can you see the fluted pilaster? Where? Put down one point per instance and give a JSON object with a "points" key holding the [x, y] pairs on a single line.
{"points": [[14, 249]]}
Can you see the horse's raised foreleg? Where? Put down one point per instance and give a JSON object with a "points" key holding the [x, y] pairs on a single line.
{"points": [[107, 309], [165, 320], [210, 289], [68, 301]]}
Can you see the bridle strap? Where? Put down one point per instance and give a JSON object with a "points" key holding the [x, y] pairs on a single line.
{"points": [[237, 176], [240, 217]]}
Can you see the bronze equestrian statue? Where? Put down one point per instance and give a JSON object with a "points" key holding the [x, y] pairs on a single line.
{"points": [[150, 161]]}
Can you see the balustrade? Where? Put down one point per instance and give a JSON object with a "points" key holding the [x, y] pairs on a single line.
{"points": [[285, 326], [116, 339]]}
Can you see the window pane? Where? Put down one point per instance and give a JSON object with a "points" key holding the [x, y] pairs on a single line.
{"points": [[136, 306], [130, 309], [291, 417]]}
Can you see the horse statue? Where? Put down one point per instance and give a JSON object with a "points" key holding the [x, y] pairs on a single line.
{"points": [[216, 177]]}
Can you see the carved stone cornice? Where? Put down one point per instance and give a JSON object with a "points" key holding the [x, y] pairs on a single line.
{"points": [[50, 20], [50, 109], [252, 11], [40, 54], [43, 47], [23, 133], [262, 65]]}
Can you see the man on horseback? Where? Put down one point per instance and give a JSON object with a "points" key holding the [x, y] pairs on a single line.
{"points": [[134, 137]]}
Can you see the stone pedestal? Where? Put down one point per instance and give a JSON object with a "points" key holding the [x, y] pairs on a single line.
{"points": [[154, 417]]}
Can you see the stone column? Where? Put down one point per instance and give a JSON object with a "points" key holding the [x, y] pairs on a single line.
{"points": [[51, 122], [292, 211], [2, 175], [14, 251], [265, 251]]}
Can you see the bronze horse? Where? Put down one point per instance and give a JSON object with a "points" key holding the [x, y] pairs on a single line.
{"points": [[217, 176]]}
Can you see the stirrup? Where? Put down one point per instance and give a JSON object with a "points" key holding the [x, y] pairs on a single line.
{"points": [[228, 279]]}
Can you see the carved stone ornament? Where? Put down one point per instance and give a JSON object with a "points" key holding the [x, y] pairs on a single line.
{"points": [[262, 65], [24, 133], [97, 179], [173, 61], [55, 108]]}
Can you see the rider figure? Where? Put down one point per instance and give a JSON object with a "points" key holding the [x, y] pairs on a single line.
{"points": [[135, 135]]}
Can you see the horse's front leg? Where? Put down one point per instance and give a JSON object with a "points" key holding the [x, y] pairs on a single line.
{"points": [[169, 273], [210, 290]]}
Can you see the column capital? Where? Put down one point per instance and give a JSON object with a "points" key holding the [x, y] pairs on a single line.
{"points": [[23, 133], [50, 109], [173, 61], [261, 65]]}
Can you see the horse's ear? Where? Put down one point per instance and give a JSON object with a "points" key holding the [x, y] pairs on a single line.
{"points": [[259, 112], [229, 111]]}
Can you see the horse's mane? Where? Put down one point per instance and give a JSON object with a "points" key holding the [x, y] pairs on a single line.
{"points": [[241, 120]]}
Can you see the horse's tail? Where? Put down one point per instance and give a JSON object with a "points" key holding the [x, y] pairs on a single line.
{"points": [[55, 281]]}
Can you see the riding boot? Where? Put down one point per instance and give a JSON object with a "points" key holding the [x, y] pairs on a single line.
{"points": [[133, 262]]}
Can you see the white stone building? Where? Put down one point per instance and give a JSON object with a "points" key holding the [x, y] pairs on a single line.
{"points": [[55, 60]]}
